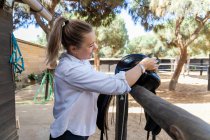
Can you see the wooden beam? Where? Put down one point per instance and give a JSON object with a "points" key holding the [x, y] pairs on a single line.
{"points": [[208, 88], [178, 123], [20, 1]]}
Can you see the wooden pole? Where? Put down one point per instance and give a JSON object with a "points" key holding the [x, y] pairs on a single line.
{"points": [[209, 75], [47, 84], [201, 68], [178, 123]]}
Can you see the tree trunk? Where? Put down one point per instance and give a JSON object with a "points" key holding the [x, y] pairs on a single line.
{"points": [[175, 77]]}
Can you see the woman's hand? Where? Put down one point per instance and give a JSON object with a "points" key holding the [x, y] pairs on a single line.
{"points": [[150, 63], [133, 74]]}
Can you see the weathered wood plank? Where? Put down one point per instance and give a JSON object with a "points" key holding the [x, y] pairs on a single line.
{"points": [[7, 111], [5, 65], [5, 98], [5, 21], [178, 123], [7, 86], [13, 136], [4, 59], [6, 93], [8, 129], [5, 32], [5, 43], [8, 121], [6, 74]]}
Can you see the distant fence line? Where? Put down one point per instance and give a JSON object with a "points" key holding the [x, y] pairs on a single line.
{"points": [[196, 64]]}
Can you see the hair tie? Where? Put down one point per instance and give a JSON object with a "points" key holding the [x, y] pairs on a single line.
{"points": [[65, 23]]}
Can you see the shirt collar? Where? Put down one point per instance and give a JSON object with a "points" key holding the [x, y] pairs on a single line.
{"points": [[65, 54]]}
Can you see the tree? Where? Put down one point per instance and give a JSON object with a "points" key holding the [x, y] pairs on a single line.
{"points": [[200, 47], [96, 12], [112, 39], [147, 44], [178, 23]]}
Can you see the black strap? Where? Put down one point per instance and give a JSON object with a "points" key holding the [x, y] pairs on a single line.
{"points": [[101, 137], [148, 135], [153, 137]]}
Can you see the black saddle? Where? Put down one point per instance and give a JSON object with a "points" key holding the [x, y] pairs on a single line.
{"points": [[149, 80]]}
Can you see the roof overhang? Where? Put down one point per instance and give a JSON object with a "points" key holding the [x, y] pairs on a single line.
{"points": [[38, 7]]}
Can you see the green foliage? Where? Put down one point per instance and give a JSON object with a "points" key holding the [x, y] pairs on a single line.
{"points": [[141, 13], [32, 76], [201, 46], [112, 39], [147, 44], [22, 16], [41, 40], [96, 12], [152, 12]]}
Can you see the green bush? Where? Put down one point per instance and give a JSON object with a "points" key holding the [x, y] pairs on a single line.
{"points": [[32, 76]]}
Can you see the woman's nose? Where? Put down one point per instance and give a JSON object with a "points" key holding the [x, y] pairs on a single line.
{"points": [[95, 46]]}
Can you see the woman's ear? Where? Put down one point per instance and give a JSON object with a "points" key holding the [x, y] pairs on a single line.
{"points": [[72, 49]]}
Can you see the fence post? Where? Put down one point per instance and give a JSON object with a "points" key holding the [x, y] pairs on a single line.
{"points": [[201, 67], [172, 65], [209, 75]]}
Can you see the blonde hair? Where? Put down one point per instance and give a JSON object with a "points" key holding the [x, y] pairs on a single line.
{"points": [[65, 33]]}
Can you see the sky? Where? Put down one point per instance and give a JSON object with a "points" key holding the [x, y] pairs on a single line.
{"points": [[31, 33]]}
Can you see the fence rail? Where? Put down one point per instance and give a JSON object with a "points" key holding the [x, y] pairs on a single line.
{"points": [[108, 65], [178, 123], [192, 67]]}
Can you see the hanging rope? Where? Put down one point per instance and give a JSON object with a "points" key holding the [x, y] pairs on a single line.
{"points": [[45, 91], [16, 59]]}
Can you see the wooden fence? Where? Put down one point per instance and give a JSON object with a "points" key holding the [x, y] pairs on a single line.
{"points": [[196, 64], [178, 123]]}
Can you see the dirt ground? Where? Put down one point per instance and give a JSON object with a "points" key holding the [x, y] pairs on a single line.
{"points": [[190, 89], [191, 94]]}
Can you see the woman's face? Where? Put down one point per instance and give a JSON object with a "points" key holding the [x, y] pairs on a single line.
{"points": [[87, 47]]}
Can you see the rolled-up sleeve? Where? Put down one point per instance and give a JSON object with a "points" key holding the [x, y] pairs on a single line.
{"points": [[94, 81]]}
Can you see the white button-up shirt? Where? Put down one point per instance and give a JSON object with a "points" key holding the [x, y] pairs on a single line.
{"points": [[76, 89]]}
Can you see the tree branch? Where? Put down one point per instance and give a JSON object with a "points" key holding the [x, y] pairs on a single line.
{"points": [[53, 5], [171, 44], [178, 36], [201, 23], [41, 24], [178, 24]]}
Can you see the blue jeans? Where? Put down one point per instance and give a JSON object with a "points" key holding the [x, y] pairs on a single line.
{"points": [[69, 136]]}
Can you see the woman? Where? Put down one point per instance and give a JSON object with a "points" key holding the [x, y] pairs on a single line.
{"points": [[77, 85]]}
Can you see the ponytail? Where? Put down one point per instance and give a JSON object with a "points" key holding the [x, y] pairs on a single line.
{"points": [[65, 33], [54, 41]]}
